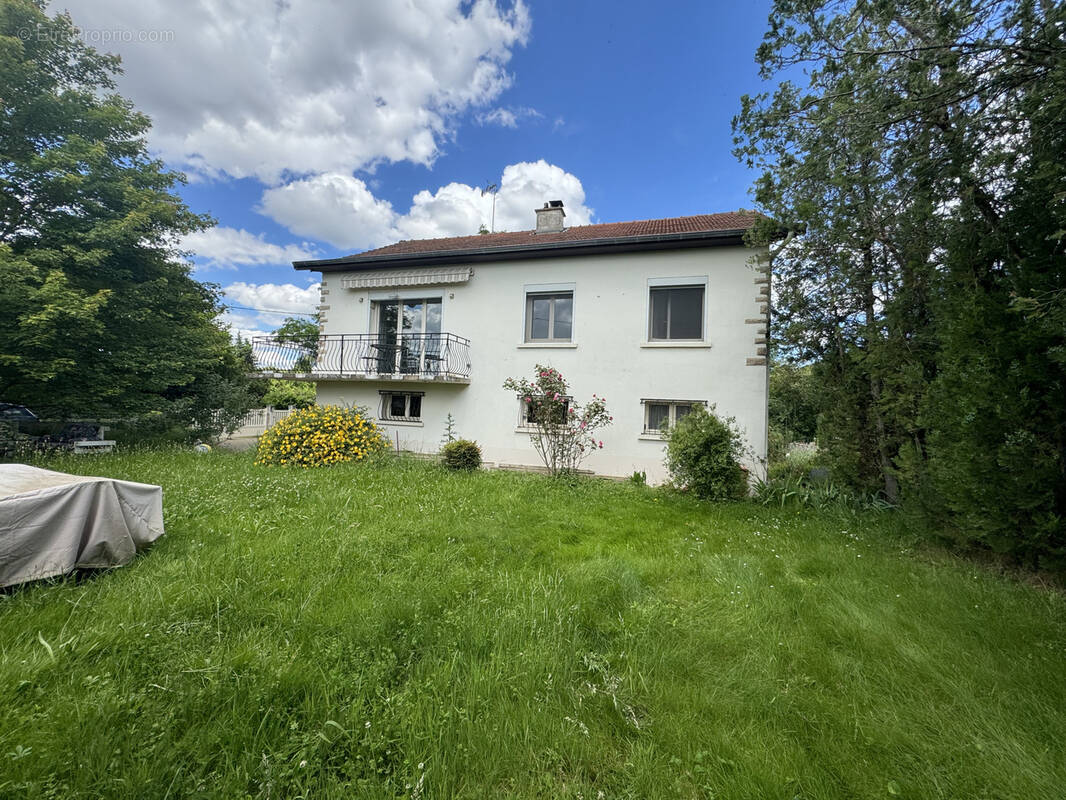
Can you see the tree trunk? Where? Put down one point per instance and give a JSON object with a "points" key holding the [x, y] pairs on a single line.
{"points": [[870, 309]]}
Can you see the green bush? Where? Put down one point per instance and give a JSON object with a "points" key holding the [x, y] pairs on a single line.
{"points": [[289, 394], [461, 454], [703, 453], [804, 478]]}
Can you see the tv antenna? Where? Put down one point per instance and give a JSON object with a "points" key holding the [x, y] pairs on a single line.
{"points": [[491, 188]]}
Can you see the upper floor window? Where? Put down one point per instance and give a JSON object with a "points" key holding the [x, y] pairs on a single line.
{"points": [[675, 312], [549, 316]]}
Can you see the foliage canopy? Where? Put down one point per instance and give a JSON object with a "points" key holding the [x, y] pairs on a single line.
{"points": [[922, 156], [99, 314]]}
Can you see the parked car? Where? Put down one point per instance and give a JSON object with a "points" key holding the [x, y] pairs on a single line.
{"points": [[11, 440], [10, 412]]}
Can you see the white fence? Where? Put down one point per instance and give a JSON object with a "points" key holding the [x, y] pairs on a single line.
{"points": [[259, 419]]}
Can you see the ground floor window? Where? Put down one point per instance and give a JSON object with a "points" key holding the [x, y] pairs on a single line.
{"points": [[662, 414], [530, 413], [401, 406]]}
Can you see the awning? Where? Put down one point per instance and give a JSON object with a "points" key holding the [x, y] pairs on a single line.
{"points": [[388, 278]]}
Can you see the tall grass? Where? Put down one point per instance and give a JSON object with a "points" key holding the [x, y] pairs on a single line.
{"points": [[399, 630]]}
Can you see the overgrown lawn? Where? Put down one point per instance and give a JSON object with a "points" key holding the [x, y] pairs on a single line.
{"points": [[394, 630]]}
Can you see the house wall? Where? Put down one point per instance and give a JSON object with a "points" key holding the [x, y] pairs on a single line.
{"points": [[609, 355]]}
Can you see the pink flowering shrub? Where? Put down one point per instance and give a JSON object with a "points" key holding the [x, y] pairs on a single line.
{"points": [[563, 432]]}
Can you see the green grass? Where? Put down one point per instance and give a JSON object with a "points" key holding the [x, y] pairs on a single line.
{"points": [[399, 631]]}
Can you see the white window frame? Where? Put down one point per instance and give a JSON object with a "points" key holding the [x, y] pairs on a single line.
{"points": [[690, 282], [377, 298], [385, 406], [524, 422], [671, 416], [532, 290]]}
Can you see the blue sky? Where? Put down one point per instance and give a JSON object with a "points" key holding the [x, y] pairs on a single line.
{"points": [[321, 128]]}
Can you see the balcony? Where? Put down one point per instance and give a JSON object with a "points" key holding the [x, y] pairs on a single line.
{"points": [[419, 358]]}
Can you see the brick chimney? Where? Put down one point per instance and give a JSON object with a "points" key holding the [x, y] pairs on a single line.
{"points": [[550, 218]]}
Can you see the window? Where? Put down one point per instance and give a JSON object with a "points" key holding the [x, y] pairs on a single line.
{"points": [[529, 411], [676, 312], [550, 317], [401, 406], [662, 414], [408, 335]]}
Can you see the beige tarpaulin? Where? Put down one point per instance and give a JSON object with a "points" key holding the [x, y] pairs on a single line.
{"points": [[51, 523]]}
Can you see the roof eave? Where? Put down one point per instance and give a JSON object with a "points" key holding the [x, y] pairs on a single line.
{"points": [[621, 244]]}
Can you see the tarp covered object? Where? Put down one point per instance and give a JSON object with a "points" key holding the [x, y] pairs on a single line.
{"points": [[52, 523]]}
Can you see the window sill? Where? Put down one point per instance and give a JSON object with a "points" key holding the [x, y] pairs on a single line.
{"points": [[553, 345], [651, 437], [403, 423], [525, 429], [703, 345]]}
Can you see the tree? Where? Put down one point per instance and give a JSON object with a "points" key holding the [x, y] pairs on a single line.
{"points": [[301, 331], [99, 314], [794, 401], [923, 158], [304, 334]]}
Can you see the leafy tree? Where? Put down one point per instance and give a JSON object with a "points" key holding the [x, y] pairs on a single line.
{"points": [[923, 158], [304, 334], [794, 401], [299, 330], [99, 315]]}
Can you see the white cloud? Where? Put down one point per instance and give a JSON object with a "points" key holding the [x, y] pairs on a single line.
{"points": [[526, 186], [247, 322], [335, 208], [230, 248], [341, 210], [274, 296], [248, 88], [507, 117]]}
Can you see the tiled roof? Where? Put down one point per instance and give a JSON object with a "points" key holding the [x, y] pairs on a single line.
{"points": [[731, 221]]}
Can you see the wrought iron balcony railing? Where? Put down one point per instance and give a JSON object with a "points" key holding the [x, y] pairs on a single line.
{"points": [[428, 356]]}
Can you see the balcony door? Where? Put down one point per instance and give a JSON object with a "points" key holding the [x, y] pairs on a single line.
{"points": [[408, 335]]}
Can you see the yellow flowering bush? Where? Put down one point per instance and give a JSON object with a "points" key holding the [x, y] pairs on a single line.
{"points": [[319, 436]]}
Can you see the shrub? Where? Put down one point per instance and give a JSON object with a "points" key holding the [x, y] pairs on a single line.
{"points": [[563, 432], [289, 394], [319, 436], [461, 454], [803, 480], [703, 454]]}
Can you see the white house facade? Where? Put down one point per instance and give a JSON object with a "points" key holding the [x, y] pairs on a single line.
{"points": [[655, 316]]}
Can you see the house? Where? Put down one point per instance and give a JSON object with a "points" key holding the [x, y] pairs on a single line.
{"points": [[656, 316]]}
